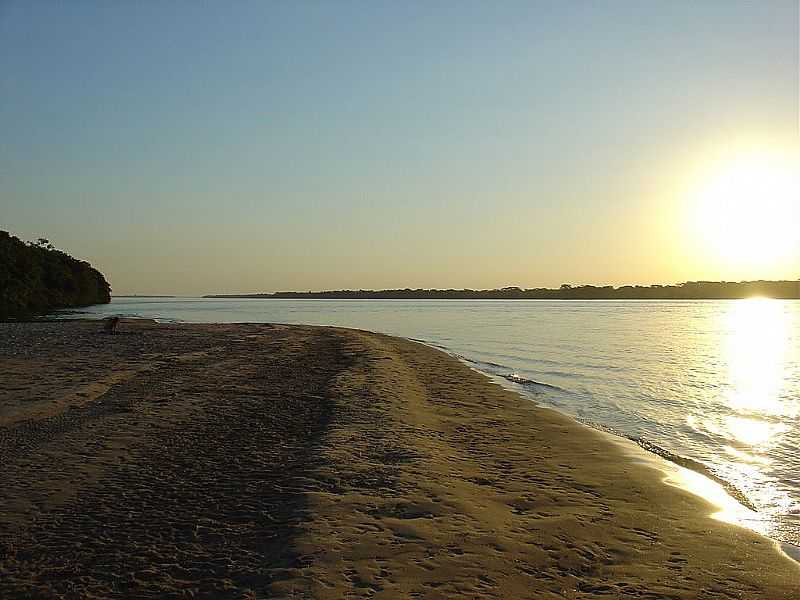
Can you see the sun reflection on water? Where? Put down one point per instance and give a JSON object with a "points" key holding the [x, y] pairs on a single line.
{"points": [[757, 348], [752, 432], [756, 353]]}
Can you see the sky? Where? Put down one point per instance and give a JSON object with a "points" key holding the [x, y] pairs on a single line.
{"points": [[211, 147]]}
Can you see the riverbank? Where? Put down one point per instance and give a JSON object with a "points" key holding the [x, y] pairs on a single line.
{"points": [[233, 461]]}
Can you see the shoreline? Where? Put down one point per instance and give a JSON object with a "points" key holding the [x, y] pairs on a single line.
{"points": [[734, 507], [672, 460], [679, 471], [377, 466]]}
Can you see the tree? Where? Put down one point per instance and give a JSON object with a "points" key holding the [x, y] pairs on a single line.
{"points": [[35, 277]]}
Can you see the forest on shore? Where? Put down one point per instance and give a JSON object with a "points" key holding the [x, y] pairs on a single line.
{"points": [[36, 277], [691, 290]]}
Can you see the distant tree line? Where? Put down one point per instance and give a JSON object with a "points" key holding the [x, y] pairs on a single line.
{"points": [[691, 290], [36, 277]]}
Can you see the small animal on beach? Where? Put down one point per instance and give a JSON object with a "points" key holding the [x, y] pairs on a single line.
{"points": [[111, 325]]}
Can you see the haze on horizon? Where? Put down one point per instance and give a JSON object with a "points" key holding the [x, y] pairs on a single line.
{"points": [[262, 146]]}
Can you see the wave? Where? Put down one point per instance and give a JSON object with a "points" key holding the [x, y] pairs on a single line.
{"points": [[697, 467], [514, 378], [645, 444], [493, 367], [486, 363], [680, 460], [649, 446]]}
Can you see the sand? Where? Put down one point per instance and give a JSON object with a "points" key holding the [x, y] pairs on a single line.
{"points": [[261, 461]]}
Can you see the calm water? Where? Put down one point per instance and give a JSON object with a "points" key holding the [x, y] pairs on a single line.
{"points": [[714, 381]]}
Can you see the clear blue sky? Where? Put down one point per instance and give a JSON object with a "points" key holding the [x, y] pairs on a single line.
{"points": [[195, 147]]}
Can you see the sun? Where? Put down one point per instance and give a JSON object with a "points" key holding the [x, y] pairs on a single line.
{"points": [[745, 214]]}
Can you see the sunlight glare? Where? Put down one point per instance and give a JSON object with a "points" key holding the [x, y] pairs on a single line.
{"points": [[745, 214], [753, 432], [728, 509], [757, 349]]}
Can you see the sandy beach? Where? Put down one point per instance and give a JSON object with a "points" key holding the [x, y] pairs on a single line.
{"points": [[271, 461]]}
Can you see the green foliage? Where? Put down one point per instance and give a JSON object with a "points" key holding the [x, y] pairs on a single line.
{"points": [[35, 277]]}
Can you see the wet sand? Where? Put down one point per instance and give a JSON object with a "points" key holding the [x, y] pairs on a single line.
{"points": [[259, 461]]}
